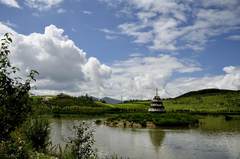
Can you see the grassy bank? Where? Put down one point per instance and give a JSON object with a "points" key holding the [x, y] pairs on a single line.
{"points": [[201, 102], [165, 119]]}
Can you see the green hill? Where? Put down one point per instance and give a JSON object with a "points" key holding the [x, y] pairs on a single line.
{"points": [[207, 100], [206, 92], [202, 101]]}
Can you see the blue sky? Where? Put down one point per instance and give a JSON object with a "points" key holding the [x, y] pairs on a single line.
{"points": [[127, 48]]}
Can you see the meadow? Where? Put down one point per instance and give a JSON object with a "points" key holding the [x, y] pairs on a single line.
{"points": [[209, 101]]}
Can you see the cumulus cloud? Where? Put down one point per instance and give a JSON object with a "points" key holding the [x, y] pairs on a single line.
{"points": [[229, 80], [137, 77], [64, 67], [43, 4], [179, 24], [10, 3], [61, 64], [5, 29]]}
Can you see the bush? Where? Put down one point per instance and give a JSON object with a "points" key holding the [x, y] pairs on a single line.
{"points": [[98, 122], [37, 133], [81, 145], [16, 147]]}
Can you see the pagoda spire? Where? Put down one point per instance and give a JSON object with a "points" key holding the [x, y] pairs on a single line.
{"points": [[156, 104]]}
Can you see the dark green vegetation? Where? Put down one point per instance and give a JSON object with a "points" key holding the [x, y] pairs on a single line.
{"points": [[13, 93], [82, 105], [210, 101], [206, 101], [164, 119]]}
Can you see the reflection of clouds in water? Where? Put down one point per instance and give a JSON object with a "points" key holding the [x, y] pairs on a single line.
{"points": [[56, 131], [232, 145], [170, 144], [61, 130], [192, 144]]}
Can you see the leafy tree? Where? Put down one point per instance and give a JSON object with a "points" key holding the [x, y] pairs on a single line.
{"points": [[14, 92]]}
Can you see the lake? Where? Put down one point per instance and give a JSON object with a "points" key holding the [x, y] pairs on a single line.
{"points": [[214, 138]]}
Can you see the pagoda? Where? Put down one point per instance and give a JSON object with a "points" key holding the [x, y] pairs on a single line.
{"points": [[156, 104]]}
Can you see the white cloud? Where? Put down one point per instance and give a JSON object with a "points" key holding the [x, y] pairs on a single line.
{"points": [[229, 80], [10, 3], [61, 10], [137, 77], [234, 37], [9, 24], [43, 4], [109, 34], [62, 65], [110, 37], [136, 55], [178, 24], [5, 29], [87, 12]]}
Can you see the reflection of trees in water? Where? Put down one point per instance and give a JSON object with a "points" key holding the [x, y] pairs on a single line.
{"points": [[156, 137], [218, 124]]}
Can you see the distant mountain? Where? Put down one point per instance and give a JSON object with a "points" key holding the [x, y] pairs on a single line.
{"points": [[95, 98], [207, 92], [111, 100]]}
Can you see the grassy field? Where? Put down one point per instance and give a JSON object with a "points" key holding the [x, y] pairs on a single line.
{"points": [[211, 101], [205, 101], [222, 101]]}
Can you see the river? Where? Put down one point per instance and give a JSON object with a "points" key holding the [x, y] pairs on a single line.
{"points": [[214, 138]]}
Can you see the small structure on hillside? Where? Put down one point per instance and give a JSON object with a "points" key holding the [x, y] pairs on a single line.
{"points": [[156, 104]]}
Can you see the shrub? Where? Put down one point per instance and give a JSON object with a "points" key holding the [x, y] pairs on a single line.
{"points": [[98, 122], [37, 133], [81, 145]]}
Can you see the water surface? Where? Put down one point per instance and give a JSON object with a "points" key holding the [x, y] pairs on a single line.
{"points": [[215, 138]]}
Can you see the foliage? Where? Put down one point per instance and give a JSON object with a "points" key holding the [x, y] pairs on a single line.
{"points": [[63, 100], [82, 144], [37, 132], [16, 148], [14, 92], [98, 121], [164, 119]]}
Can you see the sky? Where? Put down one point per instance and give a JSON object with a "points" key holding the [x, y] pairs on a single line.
{"points": [[125, 48]]}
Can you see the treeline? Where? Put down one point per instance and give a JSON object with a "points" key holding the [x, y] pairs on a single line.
{"points": [[63, 100]]}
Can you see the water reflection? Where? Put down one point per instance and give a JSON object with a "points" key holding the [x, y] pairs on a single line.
{"points": [[156, 137], [214, 138], [210, 124]]}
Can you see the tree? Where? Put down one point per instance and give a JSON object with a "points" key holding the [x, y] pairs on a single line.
{"points": [[14, 92]]}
